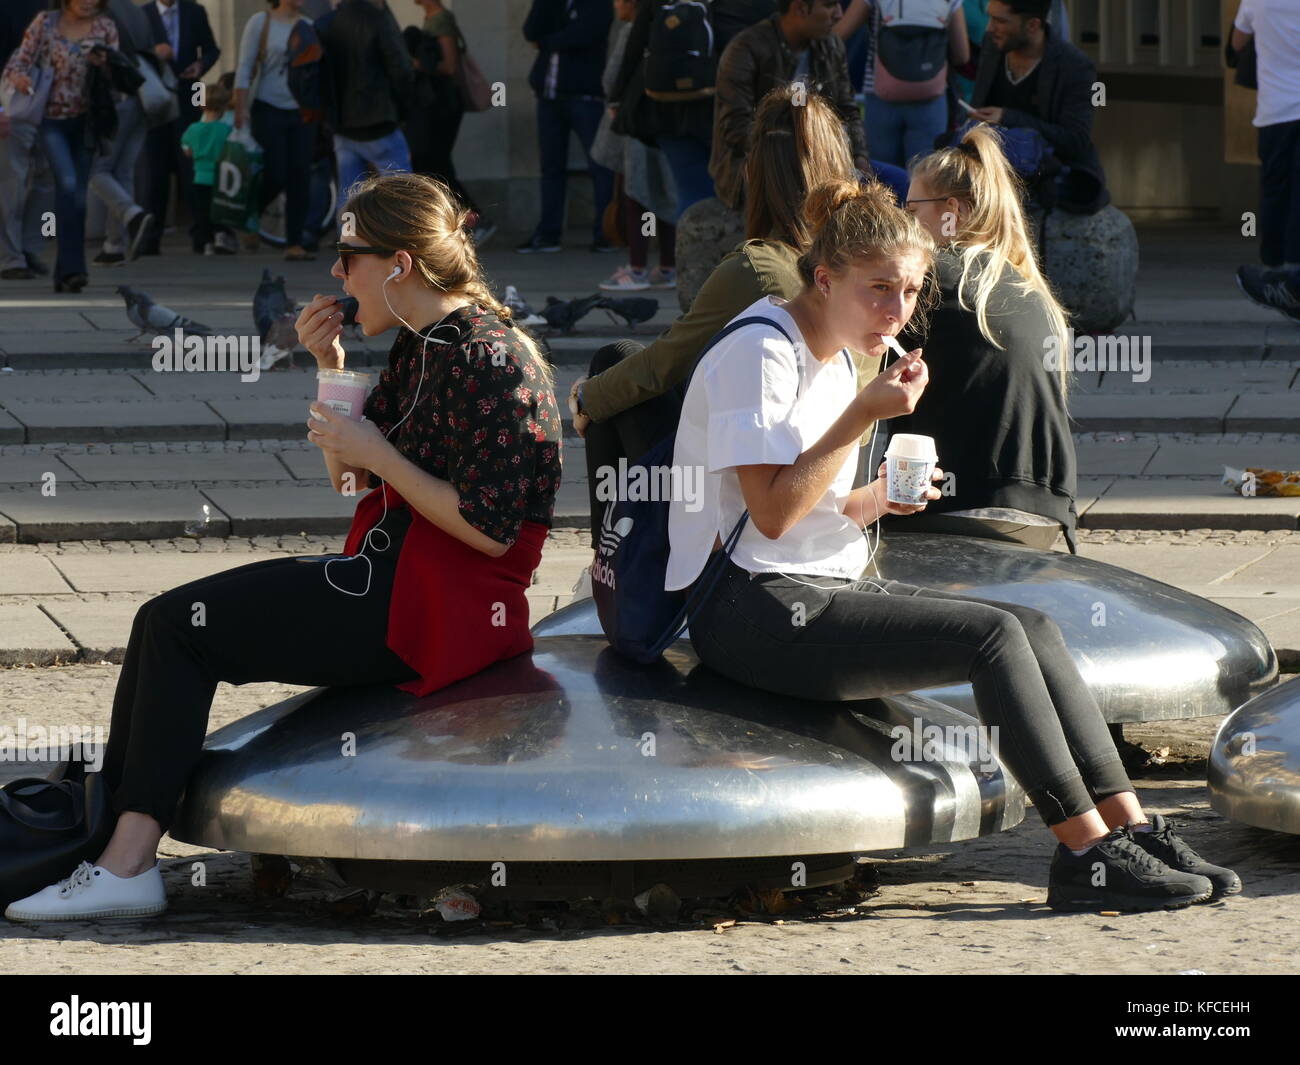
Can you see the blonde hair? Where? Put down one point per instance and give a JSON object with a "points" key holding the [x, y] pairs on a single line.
{"points": [[793, 147], [994, 234], [851, 221], [420, 215]]}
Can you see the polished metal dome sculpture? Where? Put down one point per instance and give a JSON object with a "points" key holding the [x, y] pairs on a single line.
{"points": [[572, 754], [1147, 650], [1254, 771]]}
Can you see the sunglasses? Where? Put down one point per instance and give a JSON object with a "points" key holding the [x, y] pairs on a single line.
{"points": [[930, 199], [344, 250]]}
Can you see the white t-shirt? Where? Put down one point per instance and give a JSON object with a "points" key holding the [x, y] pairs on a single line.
{"points": [[757, 398], [1276, 26]]}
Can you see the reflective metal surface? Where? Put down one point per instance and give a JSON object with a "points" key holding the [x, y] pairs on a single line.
{"points": [[1254, 773], [1147, 650], [547, 757]]}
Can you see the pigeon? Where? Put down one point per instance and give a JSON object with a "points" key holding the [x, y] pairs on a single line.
{"points": [[565, 314], [632, 309], [150, 317], [275, 316], [519, 310]]}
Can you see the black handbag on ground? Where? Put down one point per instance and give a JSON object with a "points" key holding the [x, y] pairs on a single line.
{"points": [[48, 826]]}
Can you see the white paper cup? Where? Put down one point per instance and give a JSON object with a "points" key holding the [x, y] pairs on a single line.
{"points": [[909, 465], [343, 391]]}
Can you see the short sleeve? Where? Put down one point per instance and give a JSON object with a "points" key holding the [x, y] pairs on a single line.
{"points": [[494, 446], [1245, 20], [751, 388]]}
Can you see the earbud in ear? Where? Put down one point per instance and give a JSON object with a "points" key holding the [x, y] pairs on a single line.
{"points": [[397, 270]]}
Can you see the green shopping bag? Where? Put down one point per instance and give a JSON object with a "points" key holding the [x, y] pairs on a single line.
{"points": [[236, 188]]}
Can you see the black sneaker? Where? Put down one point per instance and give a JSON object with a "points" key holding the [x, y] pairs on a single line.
{"points": [[1275, 288], [137, 234], [1117, 874], [536, 244], [109, 258], [1162, 842]]}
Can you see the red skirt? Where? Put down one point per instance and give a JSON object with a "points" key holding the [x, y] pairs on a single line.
{"points": [[454, 610]]}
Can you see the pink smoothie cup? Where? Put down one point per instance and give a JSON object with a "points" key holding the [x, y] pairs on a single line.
{"points": [[343, 391]]}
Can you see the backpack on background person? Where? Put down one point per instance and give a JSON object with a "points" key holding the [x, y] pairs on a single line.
{"points": [[911, 61], [307, 74], [681, 62]]}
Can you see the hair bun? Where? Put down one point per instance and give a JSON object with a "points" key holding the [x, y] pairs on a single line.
{"points": [[825, 200]]}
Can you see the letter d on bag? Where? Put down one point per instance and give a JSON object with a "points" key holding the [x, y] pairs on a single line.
{"points": [[229, 179]]}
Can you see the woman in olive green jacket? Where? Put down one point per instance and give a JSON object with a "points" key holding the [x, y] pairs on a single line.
{"points": [[631, 399]]}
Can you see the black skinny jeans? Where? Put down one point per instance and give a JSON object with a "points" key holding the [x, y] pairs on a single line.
{"points": [[272, 620], [859, 643]]}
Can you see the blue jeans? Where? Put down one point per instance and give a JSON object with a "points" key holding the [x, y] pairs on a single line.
{"points": [[1279, 193], [112, 177], [898, 131], [26, 192], [387, 153], [556, 119], [688, 159], [64, 141], [286, 142]]}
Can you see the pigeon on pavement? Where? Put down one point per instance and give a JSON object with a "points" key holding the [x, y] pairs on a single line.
{"points": [[274, 315], [565, 314], [632, 309], [151, 317], [520, 311]]}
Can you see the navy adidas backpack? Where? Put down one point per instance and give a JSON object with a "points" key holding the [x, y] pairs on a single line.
{"points": [[640, 617]]}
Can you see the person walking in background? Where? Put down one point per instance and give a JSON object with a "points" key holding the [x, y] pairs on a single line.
{"points": [[431, 130], [202, 143], [681, 128], [112, 206], [183, 39], [906, 79], [21, 204], [276, 120], [69, 41], [647, 185], [1274, 26], [570, 38], [372, 77], [796, 44]]}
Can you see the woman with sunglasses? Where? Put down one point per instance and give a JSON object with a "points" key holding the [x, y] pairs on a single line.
{"points": [[462, 432]]}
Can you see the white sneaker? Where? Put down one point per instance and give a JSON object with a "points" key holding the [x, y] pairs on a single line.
{"points": [[92, 891]]}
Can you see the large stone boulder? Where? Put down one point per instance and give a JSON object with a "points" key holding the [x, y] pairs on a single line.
{"points": [[1092, 262], [706, 231]]}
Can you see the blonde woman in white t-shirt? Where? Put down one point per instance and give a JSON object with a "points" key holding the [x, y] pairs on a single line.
{"points": [[773, 424]]}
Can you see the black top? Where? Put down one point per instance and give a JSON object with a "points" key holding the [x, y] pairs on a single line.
{"points": [[486, 419], [997, 417], [370, 75], [1020, 96]]}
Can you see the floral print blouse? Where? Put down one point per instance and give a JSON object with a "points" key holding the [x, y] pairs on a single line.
{"points": [[43, 44], [485, 419]]}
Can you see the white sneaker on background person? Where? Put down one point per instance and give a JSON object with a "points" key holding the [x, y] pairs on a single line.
{"points": [[627, 279], [92, 891]]}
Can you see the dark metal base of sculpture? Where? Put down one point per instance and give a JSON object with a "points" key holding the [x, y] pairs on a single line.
{"points": [[573, 755], [1254, 770], [1147, 650]]}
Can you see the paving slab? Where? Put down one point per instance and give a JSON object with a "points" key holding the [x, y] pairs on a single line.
{"points": [[153, 573], [306, 465], [101, 628], [283, 509], [1089, 490], [1277, 569], [11, 429], [180, 466], [207, 386], [1183, 565], [1175, 376], [107, 514], [1127, 459], [264, 419], [66, 387], [28, 637], [1176, 459], [1264, 413], [24, 574], [31, 469], [150, 419], [1191, 413], [1284, 335], [572, 505], [1187, 502]]}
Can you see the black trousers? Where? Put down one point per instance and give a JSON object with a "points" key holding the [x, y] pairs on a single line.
{"points": [[826, 638], [630, 433], [202, 232], [275, 620], [1279, 193], [162, 157], [431, 140]]}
